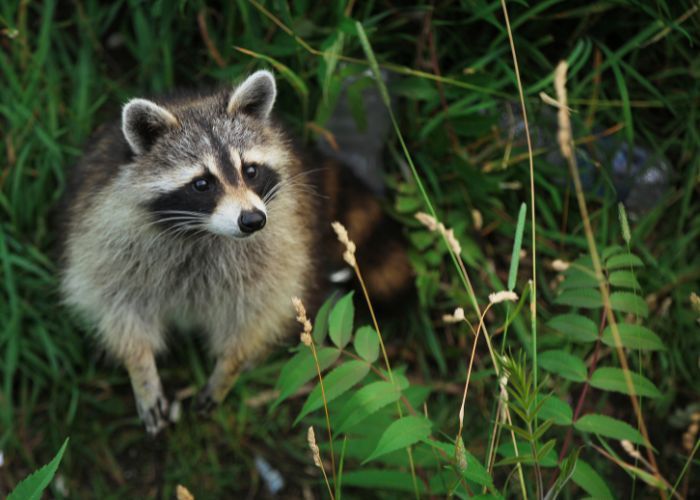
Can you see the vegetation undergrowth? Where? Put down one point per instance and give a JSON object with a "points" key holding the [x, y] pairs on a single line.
{"points": [[551, 213]]}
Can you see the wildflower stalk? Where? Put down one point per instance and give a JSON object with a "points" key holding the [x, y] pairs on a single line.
{"points": [[349, 257], [433, 225], [307, 340], [494, 298], [530, 156], [316, 453], [566, 146]]}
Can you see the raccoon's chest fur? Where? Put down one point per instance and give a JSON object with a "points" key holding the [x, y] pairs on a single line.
{"points": [[199, 281]]}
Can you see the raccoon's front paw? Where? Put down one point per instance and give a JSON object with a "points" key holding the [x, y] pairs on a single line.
{"points": [[204, 402], [155, 415]]}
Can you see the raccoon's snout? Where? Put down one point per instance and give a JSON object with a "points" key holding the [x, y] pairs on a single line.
{"points": [[251, 220]]}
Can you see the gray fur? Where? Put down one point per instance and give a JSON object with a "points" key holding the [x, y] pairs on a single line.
{"points": [[132, 279]]}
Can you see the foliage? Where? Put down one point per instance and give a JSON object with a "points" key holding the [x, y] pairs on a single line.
{"points": [[633, 86], [34, 485]]}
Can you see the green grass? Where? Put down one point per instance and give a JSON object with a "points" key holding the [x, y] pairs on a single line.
{"points": [[634, 78]]}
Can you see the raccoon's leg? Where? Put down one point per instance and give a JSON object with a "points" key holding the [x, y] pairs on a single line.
{"points": [[220, 382], [236, 353], [151, 404], [134, 342]]}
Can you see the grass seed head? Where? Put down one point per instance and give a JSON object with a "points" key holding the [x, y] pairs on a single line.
{"points": [[311, 438], [503, 296], [303, 320], [460, 454], [349, 255], [630, 449], [560, 265], [455, 317], [624, 223], [427, 220], [477, 219], [182, 493], [695, 302], [454, 244], [432, 224], [564, 136]]}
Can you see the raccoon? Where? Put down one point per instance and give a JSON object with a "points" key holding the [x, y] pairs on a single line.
{"points": [[199, 212]]}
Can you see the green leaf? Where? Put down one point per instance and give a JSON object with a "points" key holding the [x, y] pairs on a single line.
{"points": [[556, 410], [578, 328], [564, 364], [408, 204], [422, 239], [608, 427], [647, 477], [613, 379], [629, 303], [624, 279], [381, 479], [590, 481], [579, 277], [622, 261], [335, 383], [302, 368], [634, 337], [340, 321], [32, 486], [517, 245], [507, 450], [367, 343], [588, 298], [365, 402], [567, 467], [321, 320], [400, 434], [545, 449], [610, 251]]}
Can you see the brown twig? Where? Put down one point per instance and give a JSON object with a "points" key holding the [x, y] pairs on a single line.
{"points": [[582, 397], [204, 32]]}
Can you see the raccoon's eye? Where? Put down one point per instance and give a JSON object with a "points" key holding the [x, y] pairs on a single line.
{"points": [[250, 171], [201, 184]]}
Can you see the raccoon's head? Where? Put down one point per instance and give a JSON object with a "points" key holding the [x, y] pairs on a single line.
{"points": [[214, 163]]}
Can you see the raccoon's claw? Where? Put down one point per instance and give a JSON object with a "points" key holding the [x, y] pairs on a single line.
{"points": [[204, 403], [155, 417]]}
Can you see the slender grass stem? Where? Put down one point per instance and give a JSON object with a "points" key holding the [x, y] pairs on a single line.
{"points": [[328, 417], [388, 369], [533, 298], [686, 466], [469, 370]]}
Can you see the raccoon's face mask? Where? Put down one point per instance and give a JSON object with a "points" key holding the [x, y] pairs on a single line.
{"points": [[209, 166]]}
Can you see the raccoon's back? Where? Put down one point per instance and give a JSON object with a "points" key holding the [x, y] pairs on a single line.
{"points": [[381, 247], [106, 152]]}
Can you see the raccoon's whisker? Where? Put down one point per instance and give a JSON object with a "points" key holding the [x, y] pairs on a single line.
{"points": [[173, 230], [167, 220], [292, 178], [290, 183]]}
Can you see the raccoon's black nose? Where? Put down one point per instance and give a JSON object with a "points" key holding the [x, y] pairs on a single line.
{"points": [[251, 220]]}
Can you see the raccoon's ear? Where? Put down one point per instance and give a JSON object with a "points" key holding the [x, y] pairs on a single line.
{"points": [[255, 96], [143, 122]]}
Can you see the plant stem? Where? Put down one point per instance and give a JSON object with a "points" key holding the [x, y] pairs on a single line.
{"points": [[388, 369], [602, 285], [328, 418]]}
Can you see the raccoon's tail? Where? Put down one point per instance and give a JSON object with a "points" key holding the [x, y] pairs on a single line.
{"points": [[381, 248]]}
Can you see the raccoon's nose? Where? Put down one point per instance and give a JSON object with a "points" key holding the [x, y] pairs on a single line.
{"points": [[251, 220]]}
